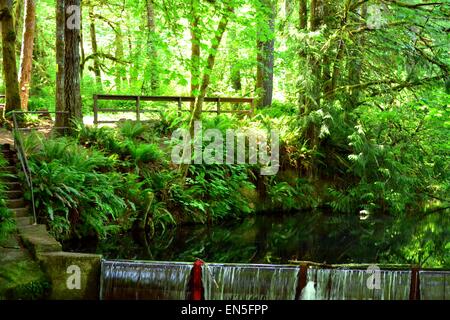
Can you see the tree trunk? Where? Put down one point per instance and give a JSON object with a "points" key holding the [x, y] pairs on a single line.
{"points": [[265, 57], [288, 4], [72, 93], [60, 52], [9, 57], [354, 67], [18, 21], [303, 14], [26, 55], [152, 53], [195, 51], [312, 99], [97, 71], [196, 114], [119, 56], [303, 25], [81, 37], [132, 57], [313, 102], [235, 68], [215, 43]]}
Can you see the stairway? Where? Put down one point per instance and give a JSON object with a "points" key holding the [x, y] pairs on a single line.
{"points": [[14, 194], [21, 276]]}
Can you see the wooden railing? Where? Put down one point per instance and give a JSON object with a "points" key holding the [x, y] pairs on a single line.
{"points": [[138, 110]]}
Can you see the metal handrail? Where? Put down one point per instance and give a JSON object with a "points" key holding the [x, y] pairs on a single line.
{"points": [[18, 144]]}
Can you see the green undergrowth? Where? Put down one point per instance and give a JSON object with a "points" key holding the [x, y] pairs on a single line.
{"points": [[107, 180], [7, 224]]}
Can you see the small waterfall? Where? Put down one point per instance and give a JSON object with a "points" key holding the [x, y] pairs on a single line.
{"points": [[132, 280], [320, 280], [309, 292], [250, 282], [346, 284], [434, 285]]}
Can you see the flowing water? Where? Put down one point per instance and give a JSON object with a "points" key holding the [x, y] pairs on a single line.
{"points": [[345, 284], [274, 239], [133, 280], [250, 282], [434, 285]]}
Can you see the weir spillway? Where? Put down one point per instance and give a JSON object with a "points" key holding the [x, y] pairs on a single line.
{"points": [[149, 280]]}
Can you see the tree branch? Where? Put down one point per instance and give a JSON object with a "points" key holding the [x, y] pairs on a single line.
{"points": [[413, 6]]}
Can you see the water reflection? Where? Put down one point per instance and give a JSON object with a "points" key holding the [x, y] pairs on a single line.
{"points": [[278, 238]]}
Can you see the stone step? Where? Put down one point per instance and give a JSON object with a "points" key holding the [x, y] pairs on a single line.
{"points": [[37, 239], [9, 169], [24, 221], [10, 178], [10, 155], [13, 186], [15, 203], [6, 146], [21, 277], [21, 212], [14, 194], [12, 162]]}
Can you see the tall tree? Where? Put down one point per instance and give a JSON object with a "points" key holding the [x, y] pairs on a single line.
{"points": [[26, 55], [313, 92], [81, 38], [96, 69], [18, 21], [9, 56], [235, 68], [303, 14], [151, 46], [302, 26], [265, 53], [60, 53], [195, 50], [72, 94], [215, 43], [119, 73], [355, 62]]}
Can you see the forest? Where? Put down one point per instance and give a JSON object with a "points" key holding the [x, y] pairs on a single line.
{"points": [[358, 92]]}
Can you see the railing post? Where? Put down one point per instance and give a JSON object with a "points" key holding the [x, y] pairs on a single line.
{"points": [[95, 109], [179, 106], [196, 283], [302, 279], [218, 106], [414, 292], [138, 108]]}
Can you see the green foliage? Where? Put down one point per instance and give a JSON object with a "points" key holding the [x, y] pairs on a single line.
{"points": [[131, 129], [361, 104], [143, 153], [293, 195], [218, 191], [7, 224], [74, 190]]}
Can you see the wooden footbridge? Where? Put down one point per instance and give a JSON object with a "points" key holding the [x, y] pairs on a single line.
{"points": [[179, 100]]}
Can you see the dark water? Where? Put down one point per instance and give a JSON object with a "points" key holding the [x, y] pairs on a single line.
{"points": [[278, 238]]}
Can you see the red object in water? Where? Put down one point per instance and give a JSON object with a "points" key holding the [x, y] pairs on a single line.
{"points": [[197, 287]]}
